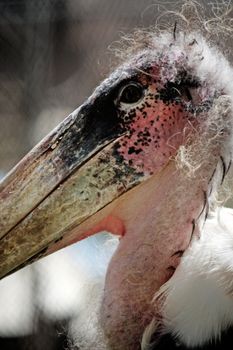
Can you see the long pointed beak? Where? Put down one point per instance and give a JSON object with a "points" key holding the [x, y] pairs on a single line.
{"points": [[66, 179]]}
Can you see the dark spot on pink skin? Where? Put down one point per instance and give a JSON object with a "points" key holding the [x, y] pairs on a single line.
{"points": [[154, 133], [161, 121], [154, 128]]}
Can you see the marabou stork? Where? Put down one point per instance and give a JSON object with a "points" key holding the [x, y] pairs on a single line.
{"points": [[143, 158]]}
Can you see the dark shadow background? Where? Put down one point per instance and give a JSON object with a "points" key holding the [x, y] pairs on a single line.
{"points": [[52, 55]]}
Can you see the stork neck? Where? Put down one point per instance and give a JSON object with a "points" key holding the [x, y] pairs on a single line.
{"points": [[160, 218]]}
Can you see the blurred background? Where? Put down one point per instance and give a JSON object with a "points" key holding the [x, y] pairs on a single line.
{"points": [[52, 55]]}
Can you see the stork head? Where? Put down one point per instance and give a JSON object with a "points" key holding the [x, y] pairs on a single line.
{"points": [[140, 158]]}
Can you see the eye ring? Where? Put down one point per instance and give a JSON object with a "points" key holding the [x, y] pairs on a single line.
{"points": [[131, 93]]}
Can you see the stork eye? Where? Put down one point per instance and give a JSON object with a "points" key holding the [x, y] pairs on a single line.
{"points": [[131, 93]]}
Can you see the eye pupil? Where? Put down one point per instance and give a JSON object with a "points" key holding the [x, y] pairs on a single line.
{"points": [[131, 93]]}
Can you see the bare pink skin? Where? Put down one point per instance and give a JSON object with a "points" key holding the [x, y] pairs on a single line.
{"points": [[156, 127], [148, 254], [165, 131], [154, 235]]}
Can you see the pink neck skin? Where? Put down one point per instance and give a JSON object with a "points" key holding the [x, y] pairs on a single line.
{"points": [[155, 222], [158, 219]]}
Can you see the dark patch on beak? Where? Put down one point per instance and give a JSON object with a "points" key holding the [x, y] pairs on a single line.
{"points": [[68, 177]]}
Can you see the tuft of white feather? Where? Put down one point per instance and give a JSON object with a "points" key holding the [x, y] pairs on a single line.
{"points": [[199, 297]]}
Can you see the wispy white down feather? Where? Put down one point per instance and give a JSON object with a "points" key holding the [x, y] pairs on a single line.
{"points": [[199, 297]]}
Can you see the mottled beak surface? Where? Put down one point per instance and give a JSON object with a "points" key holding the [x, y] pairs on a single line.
{"points": [[68, 177], [76, 182]]}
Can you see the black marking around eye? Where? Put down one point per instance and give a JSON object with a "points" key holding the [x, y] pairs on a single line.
{"points": [[173, 91], [188, 94]]}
